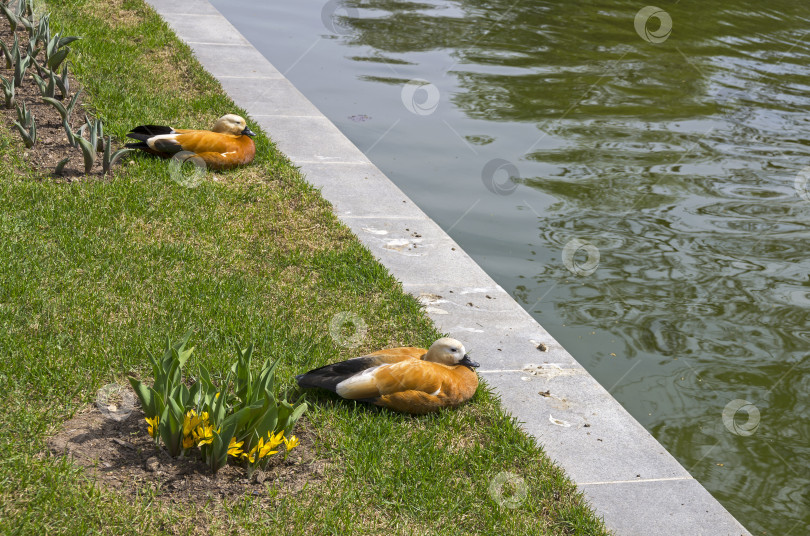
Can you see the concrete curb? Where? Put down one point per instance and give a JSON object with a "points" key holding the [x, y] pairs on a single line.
{"points": [[628, 477]]}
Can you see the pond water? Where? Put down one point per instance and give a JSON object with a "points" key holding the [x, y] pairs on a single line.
{"points": [[637, 178]]}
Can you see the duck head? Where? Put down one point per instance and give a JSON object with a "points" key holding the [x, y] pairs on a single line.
{"points": [[232, 124], [450, 352]]}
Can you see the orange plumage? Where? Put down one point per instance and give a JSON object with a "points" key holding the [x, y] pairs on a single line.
{"points": [[411, 380], [228, 145]]}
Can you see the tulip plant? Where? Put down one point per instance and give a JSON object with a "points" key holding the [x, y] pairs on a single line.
{"points": [[26, 125], [90, 148], [9, 91], [10, 54], [47, 78], [16, 13], [249, 424], [47, 86], [163, 402], [265, 422]]}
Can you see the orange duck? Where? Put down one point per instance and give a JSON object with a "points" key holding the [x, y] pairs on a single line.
{"points": [[411, 380], [227, 145]]}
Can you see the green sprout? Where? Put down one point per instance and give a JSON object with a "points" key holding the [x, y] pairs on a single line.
{"points": [[56, 50], [63, 110], [24, 8], [8, 91], [27, 126], [11, 16], [10, 53], [25, 15], [110, 158], [32, 50], [91, 147], [46, 89], [20, 63], [63, 81], [39, 31], [96, 130], [89, 153], [60, 167]]}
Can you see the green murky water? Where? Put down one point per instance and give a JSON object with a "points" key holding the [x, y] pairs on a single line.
{"points": [[668, 160]]}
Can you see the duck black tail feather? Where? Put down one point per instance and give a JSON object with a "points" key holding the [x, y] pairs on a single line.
{"points": [[329, 376], [147, 131], [139, 145], [319, 378]]}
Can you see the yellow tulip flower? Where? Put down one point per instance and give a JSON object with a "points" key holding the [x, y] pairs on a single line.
{"points": [[267, 449], [153, 425], [190, 422], [251, 456], [291, 443], [275, 440], [204, 435], [261, 450], [234, 448]]}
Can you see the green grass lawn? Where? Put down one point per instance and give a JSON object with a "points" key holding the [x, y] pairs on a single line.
{"points": [[96, 272]]}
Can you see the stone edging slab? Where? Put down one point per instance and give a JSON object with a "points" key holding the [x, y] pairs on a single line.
{"points": [[626, 475]]}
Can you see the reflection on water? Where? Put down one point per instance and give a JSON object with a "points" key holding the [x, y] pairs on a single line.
{"points": [[678, 161]]}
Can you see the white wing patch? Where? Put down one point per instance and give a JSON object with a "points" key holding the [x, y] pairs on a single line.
{"points": [[362, 381], [151, 141]]}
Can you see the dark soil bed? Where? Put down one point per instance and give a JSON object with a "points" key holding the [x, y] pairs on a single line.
{"points": [[120, 454], [52, 143]]}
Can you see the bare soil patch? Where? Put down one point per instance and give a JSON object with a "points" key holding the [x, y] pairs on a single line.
{"points": [[52, 143], [121, 455]]}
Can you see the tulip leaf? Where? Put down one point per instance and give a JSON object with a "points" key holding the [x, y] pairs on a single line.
{"points": [[111, 160], [89, 153], [268, 422], [7, 54], [71, 136], [296, 414], [12, 18], [60, 167], [66, 41], [58, 105], [56, 59], [144, 395]]}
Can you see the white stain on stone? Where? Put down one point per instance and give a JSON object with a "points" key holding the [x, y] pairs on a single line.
{"points": [[559, 422], [397, 243], [470, 330], [426, 298], [551, 370], [476, 290], [405, 246]]}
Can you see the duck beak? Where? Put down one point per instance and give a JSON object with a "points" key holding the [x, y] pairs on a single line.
{"points": [[248, 132], [467, 362]]}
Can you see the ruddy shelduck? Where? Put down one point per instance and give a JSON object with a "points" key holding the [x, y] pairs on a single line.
{"points": [[227, 145], [411, 380]]}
